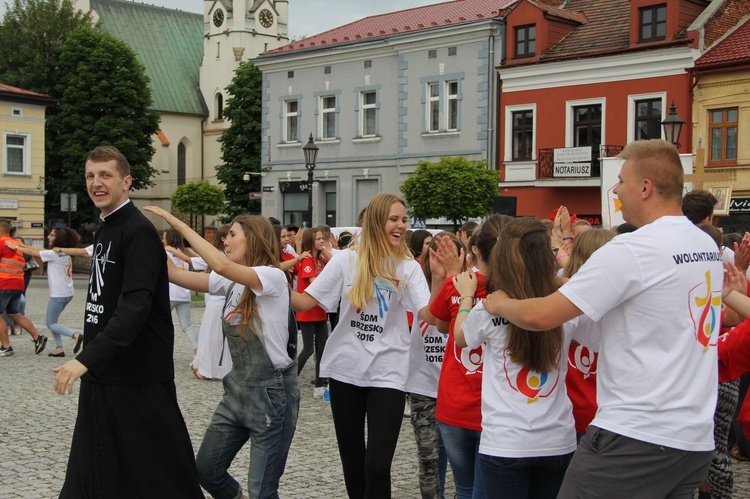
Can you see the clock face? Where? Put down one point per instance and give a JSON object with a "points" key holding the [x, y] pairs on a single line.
{"points": [[218, 17], [266, 18]]}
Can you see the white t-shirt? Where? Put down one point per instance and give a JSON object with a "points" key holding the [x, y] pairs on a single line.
{"points": [[177, 293], [524, 413], [59, 273], [658, 293], [426, 350], [369, 347], [198, 263], [273, 308]]}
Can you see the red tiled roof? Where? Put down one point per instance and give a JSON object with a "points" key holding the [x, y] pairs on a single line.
{"points": [[7, 89], [607, 29], [734, 48], [557, 12], [404, 21]]}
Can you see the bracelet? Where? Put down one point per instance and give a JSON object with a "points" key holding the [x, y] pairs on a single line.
{"points": [[467, 310], [568, 238], [468, 296]]}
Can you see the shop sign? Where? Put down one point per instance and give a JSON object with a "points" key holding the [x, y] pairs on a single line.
{"points": [[9, 204], [739, 205], [572, 162]]}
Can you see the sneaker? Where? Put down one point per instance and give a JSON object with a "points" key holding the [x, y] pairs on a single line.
{"points": [[318, 392], [6, 352], [39, 343], [16, 329]]}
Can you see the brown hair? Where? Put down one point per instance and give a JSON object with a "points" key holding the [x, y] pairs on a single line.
{"points": [[262, 251], [522, 265], [102, 154]]}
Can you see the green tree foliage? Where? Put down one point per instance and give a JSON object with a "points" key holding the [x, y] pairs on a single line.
{"points": [[241, 142], [31, 34], [104, 100], [198, 198], [454, 188]]}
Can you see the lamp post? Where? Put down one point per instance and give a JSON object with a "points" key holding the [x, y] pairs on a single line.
{"points": [[672, 125], [311, 155]]}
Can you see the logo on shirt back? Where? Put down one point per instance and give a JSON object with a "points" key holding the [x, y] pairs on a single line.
{"points": [[583, 359], [531, 384], [705, 312]]}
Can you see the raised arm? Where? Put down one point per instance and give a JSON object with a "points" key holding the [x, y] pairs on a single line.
{"points": [[215, 259], [466, 285], [26, 250]]}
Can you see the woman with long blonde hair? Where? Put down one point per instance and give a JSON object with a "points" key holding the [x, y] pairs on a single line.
{"points": [[528, 434], [367, 354], [261, 392]]}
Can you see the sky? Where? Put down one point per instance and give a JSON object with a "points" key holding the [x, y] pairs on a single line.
{"points": [[309, 17]]}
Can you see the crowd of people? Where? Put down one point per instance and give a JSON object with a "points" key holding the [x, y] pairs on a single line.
{"points": [[539, 358]]}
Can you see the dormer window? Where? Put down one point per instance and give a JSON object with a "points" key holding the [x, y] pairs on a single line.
{"points": [[525, 41], [653, 23]]}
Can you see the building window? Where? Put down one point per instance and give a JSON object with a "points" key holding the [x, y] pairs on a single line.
{"points": [[451, 95], [433, 107], [653, 23], [526, 41], [723, 135], [290, 74], [327, 70], [369, 114], [291, 121], [451, 50], [219, 110], [523, 135], [181, 164], [432, 54], [442, 104], [647, 119], [17, 112], [17, 154], [328, 117], [368, 63], [587, 126]]}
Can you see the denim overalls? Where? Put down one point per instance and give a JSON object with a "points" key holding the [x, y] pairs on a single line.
{"points": [[260, 403]]}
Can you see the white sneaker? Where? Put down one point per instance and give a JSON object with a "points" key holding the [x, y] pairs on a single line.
{"points": [[16, 329], [318, 392]]}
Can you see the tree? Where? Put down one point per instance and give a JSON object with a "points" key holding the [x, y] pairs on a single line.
{"points": [[198, 198], [241, 142], [104, 100], [31, 34], [454, 188]]}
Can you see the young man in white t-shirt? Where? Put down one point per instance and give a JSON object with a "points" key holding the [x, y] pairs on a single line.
{"points": [[657, 292]]}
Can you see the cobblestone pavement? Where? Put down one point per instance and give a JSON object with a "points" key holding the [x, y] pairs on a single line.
{"points": [[36, 425]]}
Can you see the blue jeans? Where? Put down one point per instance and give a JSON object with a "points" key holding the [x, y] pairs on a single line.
{"points": [[524, 477], [462, 447], [183, 315], [55, 307]]}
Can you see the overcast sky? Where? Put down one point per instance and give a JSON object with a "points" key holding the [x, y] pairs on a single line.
{"points": [[309, 17]]}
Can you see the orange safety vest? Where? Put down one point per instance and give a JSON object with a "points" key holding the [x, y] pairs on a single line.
{"points": [[11, 267]]}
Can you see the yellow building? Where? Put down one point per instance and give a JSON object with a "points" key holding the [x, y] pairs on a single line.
{"points": [[721, 122], [22, 119]]}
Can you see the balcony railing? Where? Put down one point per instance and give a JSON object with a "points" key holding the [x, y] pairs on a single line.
{"points": [[546, 161]]}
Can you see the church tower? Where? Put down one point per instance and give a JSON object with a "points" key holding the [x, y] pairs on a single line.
{"points": [[234, 31]]}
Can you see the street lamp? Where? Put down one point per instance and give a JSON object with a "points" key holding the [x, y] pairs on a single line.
{"points": [[672, 125], [311, 155]]}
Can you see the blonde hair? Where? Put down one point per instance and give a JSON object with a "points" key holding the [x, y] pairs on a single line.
{"points": [[376, 256], [262, 249], [584, 246], [658, 161]]}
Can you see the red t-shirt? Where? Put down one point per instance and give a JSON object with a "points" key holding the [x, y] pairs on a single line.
{"points": [[459, 399], [581, 384], [309, 268]]}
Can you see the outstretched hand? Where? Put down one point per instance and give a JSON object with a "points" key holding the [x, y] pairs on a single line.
{"points": [[171, 219], [446, 259]]}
